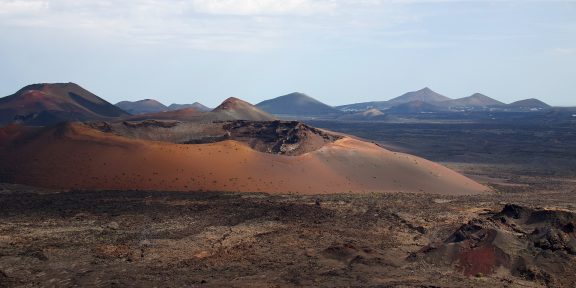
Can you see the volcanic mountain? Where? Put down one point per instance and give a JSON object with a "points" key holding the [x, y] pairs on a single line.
{"points": [[529, 104], [297, 104], [475, 100], [241, 156], [231, 109], [43, 104], [197, 106], [142, 106], [424, 95], [236, 109]]}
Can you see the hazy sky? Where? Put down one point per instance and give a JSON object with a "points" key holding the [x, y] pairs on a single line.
{"points": [[338, 51]]}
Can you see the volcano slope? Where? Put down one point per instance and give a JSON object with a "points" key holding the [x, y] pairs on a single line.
{"points": [[45, 104], [269, 156]]}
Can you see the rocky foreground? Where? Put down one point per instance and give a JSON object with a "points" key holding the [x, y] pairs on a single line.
{"points": [[174, 239]]}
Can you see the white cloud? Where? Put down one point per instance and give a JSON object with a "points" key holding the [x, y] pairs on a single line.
{"points": [[12, 7], [263, 7], [245, 25]]}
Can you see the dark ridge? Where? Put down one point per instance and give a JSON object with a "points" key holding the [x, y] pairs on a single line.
{"points": [[107, 110]]}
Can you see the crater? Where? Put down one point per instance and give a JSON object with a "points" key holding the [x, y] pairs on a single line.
{"points": [[289, 138]]}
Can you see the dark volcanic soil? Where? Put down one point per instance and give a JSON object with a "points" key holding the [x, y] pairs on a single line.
{"points": [[526, 147], [144, 239]]}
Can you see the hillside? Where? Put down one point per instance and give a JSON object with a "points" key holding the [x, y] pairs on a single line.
{"points": [[196, 105], [475, 100], [423, 95], [237, 109], [529, 104], [298, 104], [231, 109], [47, 103], [142, 106], [75, 155]]}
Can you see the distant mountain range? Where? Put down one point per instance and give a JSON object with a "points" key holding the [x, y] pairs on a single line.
{"points": [[47, 104], [231, 109], [426, 100], [153, 106], [42, 104], [423, 95]]}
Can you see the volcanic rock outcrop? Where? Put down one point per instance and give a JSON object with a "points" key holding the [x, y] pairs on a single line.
{"points": [[529, 243]]}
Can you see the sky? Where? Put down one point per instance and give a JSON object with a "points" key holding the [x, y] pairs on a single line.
{"points": [[337, 51]]}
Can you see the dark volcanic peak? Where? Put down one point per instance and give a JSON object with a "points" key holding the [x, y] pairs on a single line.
{"points": [[426, 95], [46, 103], [529, 104], [475, 100], [296, 104], [196, 105], [142, 106]]}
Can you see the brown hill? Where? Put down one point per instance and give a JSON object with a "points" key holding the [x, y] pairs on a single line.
{"points": [[424, 95], [230, 109], [75, 155], [298, 104], [43, 104], [196, 105], [475, 100], [529, 104], [236, 109], [142, 106]]}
